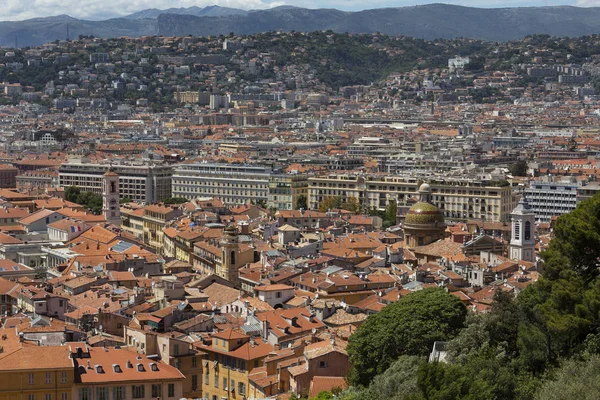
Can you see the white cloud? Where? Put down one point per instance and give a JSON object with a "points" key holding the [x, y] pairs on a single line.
{"points": [[587, 3], [15, 10]]}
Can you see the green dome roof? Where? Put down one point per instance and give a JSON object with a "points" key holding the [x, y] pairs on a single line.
{"points": [[422, 213]]}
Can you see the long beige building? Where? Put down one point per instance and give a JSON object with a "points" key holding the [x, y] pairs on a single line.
{"points": [[233, 184], [144, 182], [458, 199]]}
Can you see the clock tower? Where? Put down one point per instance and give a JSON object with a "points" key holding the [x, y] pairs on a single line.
{"points": [[522, 241], [110, 197]]}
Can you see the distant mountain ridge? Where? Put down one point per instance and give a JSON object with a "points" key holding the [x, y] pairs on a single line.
{"points": [[210, 11], [430, 21]]}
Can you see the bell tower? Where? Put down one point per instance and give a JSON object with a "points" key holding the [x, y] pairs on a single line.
{"points": [[522, 239], [110, 197], [229, 254]]}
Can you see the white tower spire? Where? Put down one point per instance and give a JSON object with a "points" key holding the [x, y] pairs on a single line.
{"points": [[522, 240]]}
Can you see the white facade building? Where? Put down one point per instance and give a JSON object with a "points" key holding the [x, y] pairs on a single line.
{"points": [[146, 182], [522, 241]]}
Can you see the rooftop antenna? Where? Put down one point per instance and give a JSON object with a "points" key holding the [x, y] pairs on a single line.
{"points": [[16, 42], [67, 32]]}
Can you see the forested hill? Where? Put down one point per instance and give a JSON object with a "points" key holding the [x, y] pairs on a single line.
{"points": [[430, 21]]}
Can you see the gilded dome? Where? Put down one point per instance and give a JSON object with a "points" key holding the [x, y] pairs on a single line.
{"points": [[422, 213]]}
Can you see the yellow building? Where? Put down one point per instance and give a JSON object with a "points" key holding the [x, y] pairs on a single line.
{"points": [[36, 373], [231, 356], [132, 221], [285, 189], [187, 97], [458, 199], [155, 219]]}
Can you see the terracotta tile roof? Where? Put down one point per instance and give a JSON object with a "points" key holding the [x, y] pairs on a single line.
{"points": [[326, 383], [99, 234], [342, 317], [16, 213], [221, 294], [37, 358], [100, 367], [7, 239], [36, 216], [247, 351], [272, 288], [8, 287]]}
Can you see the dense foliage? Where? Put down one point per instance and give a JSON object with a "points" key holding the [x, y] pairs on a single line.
{"points": [[408, 327], [90, 200], [544, 343], [176, 200]]}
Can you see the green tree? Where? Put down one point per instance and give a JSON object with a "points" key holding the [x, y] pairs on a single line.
{"points": [[330, 203], [575, 248], [71, 193], [408, 327], [175, 200], [91, 201], [519, 168], [323, 395], [125, 200], [391, 212], [351, 204], [574, 380], [398, 382], [301, 202], [481, 378]]}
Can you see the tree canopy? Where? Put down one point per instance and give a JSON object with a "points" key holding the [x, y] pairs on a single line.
{"points": [[408, 327], [576, 379], [91, 201], [175, 200]]}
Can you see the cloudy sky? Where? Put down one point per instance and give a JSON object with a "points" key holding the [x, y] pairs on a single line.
{"points": [[102, 9]]}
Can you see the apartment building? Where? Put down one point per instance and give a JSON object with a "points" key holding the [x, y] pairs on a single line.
{"points": [[119, 374], [458, 199], [285, 189], [8, 296], [588, 191], [8, 175], [36, 373], [231, 356], [232, 184], [143, 182], [37, 180], [551, 199], [154, 220]]}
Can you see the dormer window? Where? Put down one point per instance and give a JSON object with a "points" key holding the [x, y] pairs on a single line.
{"points": [[99, 369], [117, 368], [140, 368], [153, 367]]}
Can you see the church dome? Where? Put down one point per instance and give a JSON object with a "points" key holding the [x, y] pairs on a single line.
{"points": [[423, 213]]}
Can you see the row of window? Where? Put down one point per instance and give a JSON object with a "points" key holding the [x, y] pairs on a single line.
{"points": [[228, 385], [120, 392], [47, 378], [221, 184], [48, 396]]}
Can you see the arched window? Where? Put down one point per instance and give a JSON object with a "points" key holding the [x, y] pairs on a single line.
{"points": [[232, 257], [517, 230], [527, 230], [112, 187]]}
